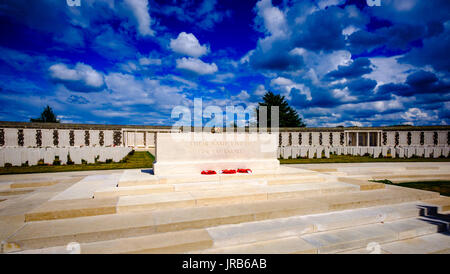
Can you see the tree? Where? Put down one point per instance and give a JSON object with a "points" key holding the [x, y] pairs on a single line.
{"points": [[47, 116], [287, 115]]}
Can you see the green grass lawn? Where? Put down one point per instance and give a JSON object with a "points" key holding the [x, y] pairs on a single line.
{"points": [[443, 187], [358, 159], [138, 159]]}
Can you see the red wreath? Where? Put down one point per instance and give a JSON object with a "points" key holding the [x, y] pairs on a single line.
{"points": [[228, 171], [244, 170], [208, 172]]}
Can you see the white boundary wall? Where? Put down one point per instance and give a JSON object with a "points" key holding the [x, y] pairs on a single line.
{"points": [[17, 156]]}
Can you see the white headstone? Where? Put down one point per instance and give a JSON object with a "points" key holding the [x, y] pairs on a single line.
{"points": [[49, 156], [287, 152], [295, 152], [420, 151], [75, 155], [303, 152], [2, 157], [437, 152], [319, 151]]}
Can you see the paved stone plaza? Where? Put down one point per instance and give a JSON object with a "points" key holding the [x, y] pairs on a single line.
{"points": [[326, 208]]}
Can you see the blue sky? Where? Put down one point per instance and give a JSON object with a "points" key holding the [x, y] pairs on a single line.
{"points": [[338, 62]]}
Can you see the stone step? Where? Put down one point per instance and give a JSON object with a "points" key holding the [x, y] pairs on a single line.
{"points": [[296, 180], [62, 209], [412, 177], [334, 241], [33, 184], [171, 242], [442, 204], [374, 234], [288, 245], [364, 184], [140, 179], [132, 190], [5, 186], [227, 235], [37, 235], [321, 193], [182, 187], [13, 192], [438, 243], [42, 234], [106, 227], [228, 196]]}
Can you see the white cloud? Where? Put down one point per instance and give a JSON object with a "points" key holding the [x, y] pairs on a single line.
{"points": [[144, 61], [388, 70], [286, 85], [139, 8], [260, 90], [274, 20], [223, 78], [321, 63], [414, 114], [327, 3], [127, 90], [81, 72], [243, 95], [187, 44], [196, 65]]}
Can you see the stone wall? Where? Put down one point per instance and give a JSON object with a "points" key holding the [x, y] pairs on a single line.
{"points": [[17, 156], [294, 152], [298, 140]]}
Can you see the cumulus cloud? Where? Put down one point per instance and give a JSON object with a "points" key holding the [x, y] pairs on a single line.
{"points": [[273, 19], [144, 61], [187, 44], [417, 83], [260, 90], [196, 66], [81, 77], [139, 8], [243, 95], [286, 85], [434, 52], [414, 114], [357, 68]]}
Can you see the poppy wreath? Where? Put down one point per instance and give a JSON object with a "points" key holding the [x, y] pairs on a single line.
{"points": [[244, 170], [208, 172], [228, 171]]}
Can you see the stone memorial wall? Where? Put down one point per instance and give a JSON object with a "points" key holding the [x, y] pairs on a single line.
{"points": [[306, 142], [191, 153]]}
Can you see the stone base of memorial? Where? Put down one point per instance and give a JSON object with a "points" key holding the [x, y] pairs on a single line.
{"points": [[191, 153]]}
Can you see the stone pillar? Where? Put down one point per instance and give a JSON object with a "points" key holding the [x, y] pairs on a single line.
{"points": [[357, 139]]}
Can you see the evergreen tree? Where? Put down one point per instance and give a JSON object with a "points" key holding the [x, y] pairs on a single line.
{"points": [[287, 115], [47, 116]]}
